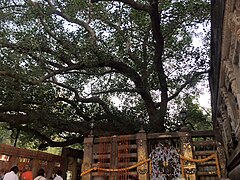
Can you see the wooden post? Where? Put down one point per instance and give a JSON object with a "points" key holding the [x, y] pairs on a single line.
{"points": [[35, 167], [141, 138], [87, 157], [65, 163], [222, 159], [187, 151], [114, 157], [50, 166]]}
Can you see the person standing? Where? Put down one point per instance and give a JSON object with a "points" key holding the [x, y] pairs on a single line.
{"points": [[12, 175], [40, 175], [27, 173], [58, 175], [2, 173]]}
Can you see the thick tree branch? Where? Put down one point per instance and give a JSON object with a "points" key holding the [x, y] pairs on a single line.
{"points": [[131, 3], [133, 75], [79, 22], [74, 105], [158, 62], [48, 141], [14, 118]]}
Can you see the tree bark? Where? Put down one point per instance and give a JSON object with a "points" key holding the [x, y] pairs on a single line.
{"points": [[159, 118]]}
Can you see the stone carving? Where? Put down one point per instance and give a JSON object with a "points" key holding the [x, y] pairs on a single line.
{"points": [[225, 96], [236, 18], [230, 112], [165, 163], [237, 5], [223, 114], [86, 164], [228, 9], [229, 70], [238, 35], [143, 169]]}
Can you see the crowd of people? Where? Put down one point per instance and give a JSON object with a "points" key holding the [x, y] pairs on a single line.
{"points": [[13, 174]]}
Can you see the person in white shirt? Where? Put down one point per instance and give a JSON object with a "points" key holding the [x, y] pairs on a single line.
{"points": [[40, 175], [12, 175], [58, 175]]}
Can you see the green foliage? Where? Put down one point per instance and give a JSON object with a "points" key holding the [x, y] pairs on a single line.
{"points": [[5, 134], [197, 117], [63, 62]]}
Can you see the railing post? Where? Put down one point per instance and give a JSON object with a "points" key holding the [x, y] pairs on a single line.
{"points": [[143, 172], [35, 166], [114, 157], [50, 168], [65, 163], [222, 159], [87, 157], [187, 151]]}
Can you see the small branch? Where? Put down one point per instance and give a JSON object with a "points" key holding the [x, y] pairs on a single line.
{"points": [[190, 124], [187, 82], [120, 90], [15, 76], [131, 55], [31, 52], [13, 6], [80, 23], [177, 92], [131, 3], [66, 44], [86, 100], [74, 105], [59, 71]]}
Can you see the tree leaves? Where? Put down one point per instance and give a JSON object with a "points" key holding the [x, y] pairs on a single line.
{"points": [[64, 61]]}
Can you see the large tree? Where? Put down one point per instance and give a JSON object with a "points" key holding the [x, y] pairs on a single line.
{"points": [[116, 64]]}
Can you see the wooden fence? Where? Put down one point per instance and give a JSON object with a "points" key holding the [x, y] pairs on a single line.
{"points": [[14, 156], [119, 157]]}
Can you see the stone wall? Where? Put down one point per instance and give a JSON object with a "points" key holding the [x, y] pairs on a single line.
{"points": [[228, 88]]}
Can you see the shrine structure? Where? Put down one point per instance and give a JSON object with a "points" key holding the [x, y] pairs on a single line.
{"points": [[202, 155]]}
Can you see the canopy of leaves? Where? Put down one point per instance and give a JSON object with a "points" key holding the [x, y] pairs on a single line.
{"points": [[114, 64], [195, 117]]}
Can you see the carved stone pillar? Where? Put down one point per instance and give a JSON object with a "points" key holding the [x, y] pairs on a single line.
{"points": [[233, 65], [187, 151], [87, 157], [223, 129], [230, 109], [143, 173]]}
